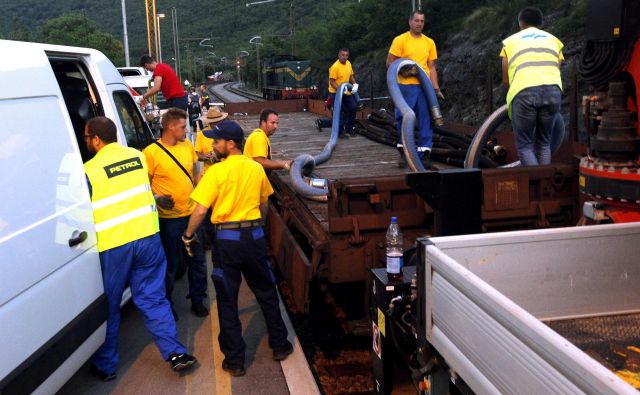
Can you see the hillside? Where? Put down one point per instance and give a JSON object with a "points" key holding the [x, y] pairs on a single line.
{"points": [[468, 34]]}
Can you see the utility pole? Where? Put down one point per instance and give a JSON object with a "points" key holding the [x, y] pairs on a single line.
{"points": [[292, 28], [292, 20], [125, 35], [152, 33], [176, 47]]}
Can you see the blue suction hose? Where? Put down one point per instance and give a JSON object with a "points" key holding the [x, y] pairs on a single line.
{"points": [[408, 116], [304, 164]]}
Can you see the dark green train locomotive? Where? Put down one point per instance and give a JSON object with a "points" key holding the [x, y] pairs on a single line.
{"points": [[286, 77]]}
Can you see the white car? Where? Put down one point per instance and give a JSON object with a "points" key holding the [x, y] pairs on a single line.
{"points": [[141, 84], [133, 71]]}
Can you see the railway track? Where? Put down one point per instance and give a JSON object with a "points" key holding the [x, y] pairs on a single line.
{"points": [[248, 95], [226, 93]]}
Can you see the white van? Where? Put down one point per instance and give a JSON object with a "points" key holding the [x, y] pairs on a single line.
{"points": [[52, 305]]}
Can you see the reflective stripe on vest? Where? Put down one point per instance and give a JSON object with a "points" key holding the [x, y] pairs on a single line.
{"points": [[534, 59], [98, 204], [124, 209], [126, 217]]}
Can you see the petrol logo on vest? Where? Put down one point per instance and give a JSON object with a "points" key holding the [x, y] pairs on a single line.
{"points": [[123, 167]]}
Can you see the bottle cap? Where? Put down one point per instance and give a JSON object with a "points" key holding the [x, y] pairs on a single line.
{"points": [[394, 220]]}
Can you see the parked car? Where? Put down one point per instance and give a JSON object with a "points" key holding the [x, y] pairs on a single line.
{"points": [[141, 84], [133, 71]]}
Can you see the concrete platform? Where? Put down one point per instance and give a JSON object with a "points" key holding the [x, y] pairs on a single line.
{"points": [[142, 370]]}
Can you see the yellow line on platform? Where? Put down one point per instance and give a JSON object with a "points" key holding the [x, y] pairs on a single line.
{"points": [[223, 379]]}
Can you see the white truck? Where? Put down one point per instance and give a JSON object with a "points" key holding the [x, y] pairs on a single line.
{"points": [[52, 304], [506, 311]]}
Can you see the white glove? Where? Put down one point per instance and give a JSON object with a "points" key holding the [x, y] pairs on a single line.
{"points": [[355, 88]]}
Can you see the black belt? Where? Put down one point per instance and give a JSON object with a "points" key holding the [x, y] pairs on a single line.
{"points": [[238, 225]]}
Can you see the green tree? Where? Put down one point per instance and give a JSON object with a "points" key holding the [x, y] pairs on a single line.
{"points": [[19, 30], [78, 30]]}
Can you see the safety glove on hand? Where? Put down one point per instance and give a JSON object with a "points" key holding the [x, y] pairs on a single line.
{"points": [[439, 94]]}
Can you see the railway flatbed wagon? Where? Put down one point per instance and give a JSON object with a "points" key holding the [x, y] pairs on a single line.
{"points": [[339, 240]]}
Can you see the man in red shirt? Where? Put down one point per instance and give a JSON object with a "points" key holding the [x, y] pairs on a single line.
{"points": [[165, 80]]}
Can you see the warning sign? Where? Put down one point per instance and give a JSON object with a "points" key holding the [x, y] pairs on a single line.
{"points": [[377, 346], [381, 323]]}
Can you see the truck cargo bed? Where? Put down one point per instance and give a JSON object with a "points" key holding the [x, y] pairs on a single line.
{"points": [[486, 299]]}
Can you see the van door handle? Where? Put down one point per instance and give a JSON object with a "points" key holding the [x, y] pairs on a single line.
{"points": [[77, 238]]}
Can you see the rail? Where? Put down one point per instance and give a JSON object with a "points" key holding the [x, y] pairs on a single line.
{"points": [[247, 95]]}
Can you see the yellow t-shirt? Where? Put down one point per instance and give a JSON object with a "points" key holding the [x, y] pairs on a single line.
{"points": [[257, 145], [168, 179], [204, 145], [235, 188], [421, 50], [341, 73]]}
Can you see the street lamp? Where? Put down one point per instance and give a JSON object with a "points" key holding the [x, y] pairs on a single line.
{"points": [[159, 16], [292, 21], [239, 56], [254, 41]]}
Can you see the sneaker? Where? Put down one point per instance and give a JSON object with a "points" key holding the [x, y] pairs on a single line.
{"points": [[318, 125], [199, 310], [104, 376], [235, 372], [182, 361], [281, 355]]}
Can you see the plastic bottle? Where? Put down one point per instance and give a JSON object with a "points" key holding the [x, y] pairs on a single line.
{"points": [[394, 251]]}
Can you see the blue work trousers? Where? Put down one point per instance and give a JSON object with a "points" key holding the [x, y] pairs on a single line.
{"points": [[179, 102], [348, 111], [141, 264], [236, 252], [417, 100], [171, 231], [532, 113]]}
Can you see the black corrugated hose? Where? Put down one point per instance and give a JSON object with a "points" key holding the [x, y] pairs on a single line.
{"points": [[600, 61]]}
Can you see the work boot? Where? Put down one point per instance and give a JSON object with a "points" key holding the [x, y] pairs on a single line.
{"points": [[104, 376], [426, 159], [199, 310], [182, 361], [402, 162], [281, 355], [234, 371]]}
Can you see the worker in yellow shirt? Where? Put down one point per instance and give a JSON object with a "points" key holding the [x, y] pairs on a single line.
{"points": [[258, 145], [531, 62], [237, 188], [421, 49], [171, 161], [340, 72], [204, 145], [130, 251]]}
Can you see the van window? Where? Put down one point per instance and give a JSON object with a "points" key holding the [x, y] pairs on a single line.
{"points": [[41, 174], [135, 128], [79, 97]]}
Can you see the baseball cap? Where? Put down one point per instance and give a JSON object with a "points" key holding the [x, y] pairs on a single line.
{"points": [[225, 130]]}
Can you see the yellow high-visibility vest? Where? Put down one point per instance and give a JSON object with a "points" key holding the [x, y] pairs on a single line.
{"points": [[534, 58], [124, 209]]}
